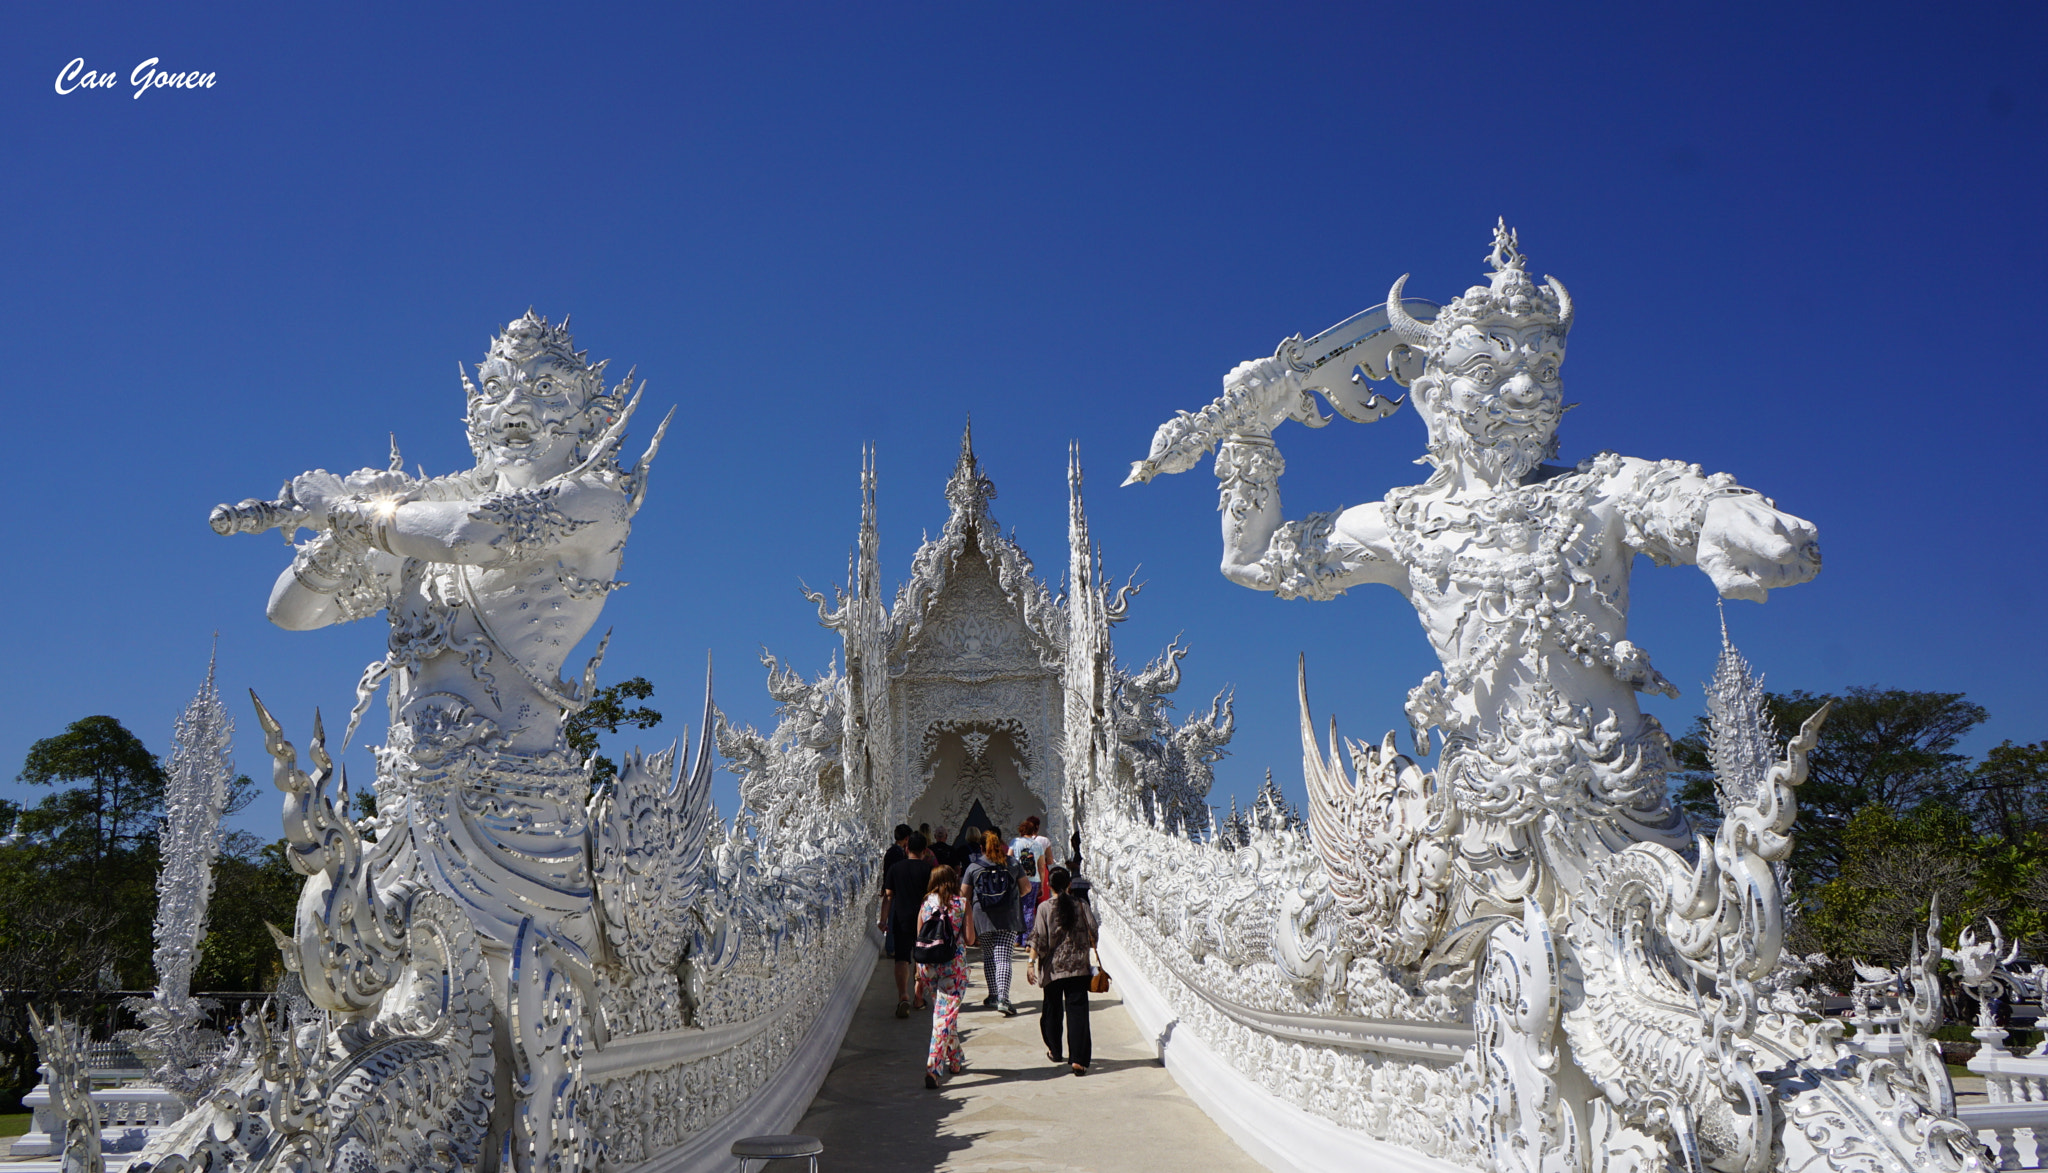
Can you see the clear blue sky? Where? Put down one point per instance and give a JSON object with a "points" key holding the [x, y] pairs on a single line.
{"points": [[1801, 239]]}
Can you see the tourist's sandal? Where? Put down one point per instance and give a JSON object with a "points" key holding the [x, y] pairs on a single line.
{"points": [[903, 1008], [1078, 1069], [931, 1081]]}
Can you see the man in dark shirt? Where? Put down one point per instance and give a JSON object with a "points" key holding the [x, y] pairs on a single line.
{"points": [[946, 853], [891, 858], [902, 892], [896, 852]]}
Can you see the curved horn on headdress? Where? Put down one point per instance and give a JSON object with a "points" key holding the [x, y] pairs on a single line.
{"points": [[1412, 332], [1564, 304]]}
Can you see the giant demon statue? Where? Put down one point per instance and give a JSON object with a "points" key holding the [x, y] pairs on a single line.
{"points": [[1518, 570], [489, 578], [464, 952], [1614, 964]]}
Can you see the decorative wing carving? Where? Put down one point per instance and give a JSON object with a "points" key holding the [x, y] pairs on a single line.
{"points": [[1384, 838], [650, 831]]}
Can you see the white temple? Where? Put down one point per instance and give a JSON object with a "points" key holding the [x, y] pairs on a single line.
{"points": [[959, 682], [1522, 960]]}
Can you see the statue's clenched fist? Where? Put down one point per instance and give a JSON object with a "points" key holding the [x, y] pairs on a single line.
{"points": [[1273, 395], [1749, 549]]}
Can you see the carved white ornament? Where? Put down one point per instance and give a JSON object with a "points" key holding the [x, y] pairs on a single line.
{"points": [[504, 969], [185, 1057], [1536, 888]]}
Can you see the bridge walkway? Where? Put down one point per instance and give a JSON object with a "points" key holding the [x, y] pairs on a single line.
{"points": [[1013, 1111]]}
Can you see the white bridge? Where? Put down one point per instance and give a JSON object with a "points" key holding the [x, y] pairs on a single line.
{"points": [[1521, 960]]}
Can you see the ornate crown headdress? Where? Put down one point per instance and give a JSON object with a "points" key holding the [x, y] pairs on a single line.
{"points": [[533, 336], [1509, 296]]}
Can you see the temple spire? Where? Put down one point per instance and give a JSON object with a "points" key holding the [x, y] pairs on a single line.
{"points": [[969, 491]]}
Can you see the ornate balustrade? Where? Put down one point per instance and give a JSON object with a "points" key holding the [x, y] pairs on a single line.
{"points": [[2013, 1122], [129, 1115]]}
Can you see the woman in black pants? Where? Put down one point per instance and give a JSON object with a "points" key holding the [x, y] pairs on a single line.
{"points": [[1060, 940]]}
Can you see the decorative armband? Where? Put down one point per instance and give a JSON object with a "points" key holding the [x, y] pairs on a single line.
{"points": [[1247, 468], [1302, 563], [529, 521], [1665, 509]]}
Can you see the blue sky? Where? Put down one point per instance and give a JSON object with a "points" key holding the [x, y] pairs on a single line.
{"points": [[1800, 239]]}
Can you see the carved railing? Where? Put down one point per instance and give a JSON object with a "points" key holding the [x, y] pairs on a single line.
{"points": [[2013, 1120], [129, 1115], [1245, 969]]}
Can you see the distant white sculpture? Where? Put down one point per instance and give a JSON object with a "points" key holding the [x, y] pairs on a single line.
{"points": [[1981, 967], [185, 1057]]}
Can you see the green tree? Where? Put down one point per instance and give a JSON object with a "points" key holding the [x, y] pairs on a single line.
{"points": [[607, 711], [2008, 790], [77, 879], [253, 883], [1875, 906], [1892, 748], [125, 795]]}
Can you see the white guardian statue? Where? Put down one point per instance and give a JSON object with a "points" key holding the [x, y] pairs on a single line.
{"points": [[1518, 570], [508, 972], [1537, 889], [489, 578]]}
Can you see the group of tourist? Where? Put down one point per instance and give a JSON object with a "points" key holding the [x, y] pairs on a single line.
{"points": [[990, 894]]}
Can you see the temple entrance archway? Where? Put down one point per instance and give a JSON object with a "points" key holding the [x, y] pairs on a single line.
{"points": [[976, 772]]}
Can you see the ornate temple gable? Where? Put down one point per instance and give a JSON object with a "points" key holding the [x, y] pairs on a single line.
{"points": [[947, 577], [973, 631]]}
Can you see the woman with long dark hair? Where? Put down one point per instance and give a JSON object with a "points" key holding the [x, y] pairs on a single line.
{"points": [[1060, 941], [943, 916]]}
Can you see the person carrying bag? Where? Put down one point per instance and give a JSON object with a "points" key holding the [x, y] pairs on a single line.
{"points": [[995, 884], [1061, 939], [943, 929]]}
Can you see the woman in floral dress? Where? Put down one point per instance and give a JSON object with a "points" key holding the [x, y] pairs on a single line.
{"points": [[947, 982]]}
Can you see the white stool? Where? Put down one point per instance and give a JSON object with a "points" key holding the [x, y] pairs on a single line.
{"points": [[775, 1148]]}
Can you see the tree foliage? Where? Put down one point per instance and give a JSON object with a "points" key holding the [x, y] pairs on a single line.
{"points": [[1894, 863], [2008, 791], [1884, 747], [125, 795], [607, 711], [78, 888], [253, 884], [1892, 817]]}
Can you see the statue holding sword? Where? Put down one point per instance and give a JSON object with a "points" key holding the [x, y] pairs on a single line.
{"points": [[1519, 572]]}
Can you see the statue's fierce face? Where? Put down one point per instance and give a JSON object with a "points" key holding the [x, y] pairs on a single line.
{"points": [[528, 413], [1495, 396]]}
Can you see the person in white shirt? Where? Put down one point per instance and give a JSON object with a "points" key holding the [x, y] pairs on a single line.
{"points": [[1029, 840]]}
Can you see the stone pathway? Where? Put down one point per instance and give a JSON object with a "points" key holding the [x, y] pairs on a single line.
{"points": [[1012, 1110]]}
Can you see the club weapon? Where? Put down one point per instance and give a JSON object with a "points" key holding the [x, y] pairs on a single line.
{"points": [[1336, 364]]}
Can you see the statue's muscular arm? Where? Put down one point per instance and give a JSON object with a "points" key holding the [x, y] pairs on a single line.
{"points": [[1318, 557], [369, 538], [1679, 515]]}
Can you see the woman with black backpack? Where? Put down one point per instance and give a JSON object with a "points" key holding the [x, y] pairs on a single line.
{"points": [[943, 932], [995, 883]]}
